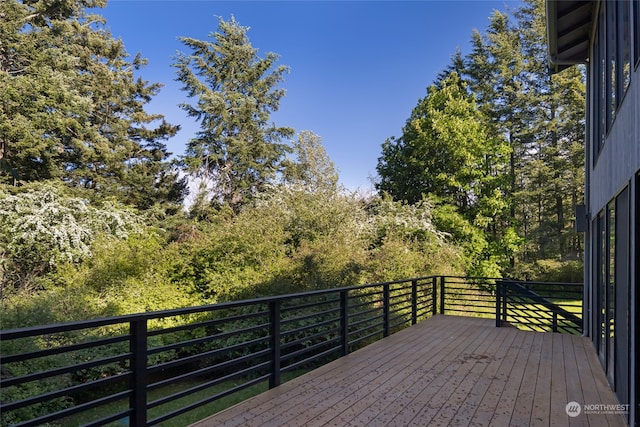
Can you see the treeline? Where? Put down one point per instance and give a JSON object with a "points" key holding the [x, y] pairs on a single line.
{"points": [[92, 215], [499, 142], [92, 218]]}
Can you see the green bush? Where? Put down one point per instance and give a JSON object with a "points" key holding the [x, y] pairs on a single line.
{"points": [[551, 270], [44, 226]]}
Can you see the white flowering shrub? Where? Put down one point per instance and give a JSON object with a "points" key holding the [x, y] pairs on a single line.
{"points": [[43, 227], [408, 221]]}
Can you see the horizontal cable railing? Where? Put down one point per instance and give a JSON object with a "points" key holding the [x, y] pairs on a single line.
{"points": [[178, 366]]}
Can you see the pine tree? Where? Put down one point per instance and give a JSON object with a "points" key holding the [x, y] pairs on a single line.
{"points": [[494, 71], [73, 108], [237, 150]]}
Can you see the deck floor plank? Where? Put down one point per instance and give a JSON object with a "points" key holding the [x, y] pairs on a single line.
{"points": [[439, 400], [408, 347], [601, 387], [522, 410], [558, 382], [572, 369], [487, 407], [542, 395], [433, 365], [447, 370], [472, 403], [506, 405]]}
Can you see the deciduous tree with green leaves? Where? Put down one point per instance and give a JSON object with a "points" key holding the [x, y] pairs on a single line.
{"points": [[448, 152], [542, 118], [445, 150], [237, 150], [311, 167]]}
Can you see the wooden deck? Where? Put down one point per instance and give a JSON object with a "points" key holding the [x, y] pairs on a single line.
{"points": [[447, 370]]}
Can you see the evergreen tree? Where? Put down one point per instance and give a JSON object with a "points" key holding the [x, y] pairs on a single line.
{"points": [[494, 71], [534, 120], [557, 102], [541, 116], [72, 108], [236, 149]]}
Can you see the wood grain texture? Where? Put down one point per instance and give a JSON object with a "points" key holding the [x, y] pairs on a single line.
{"points": [[445, 371]]}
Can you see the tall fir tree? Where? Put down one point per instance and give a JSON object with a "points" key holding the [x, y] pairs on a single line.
{"points": [[541, 116], [237, 150], [538, 118], [73, 108], [559, 120]]}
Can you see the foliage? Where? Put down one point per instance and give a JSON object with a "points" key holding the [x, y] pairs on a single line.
{"points": [[72, 108], [310, 165], [445, 150], [404, 241], [448, 152], [42, 227], [551, 270], [409, 221], [225, 255], [237, 150], [542, 118], [500, 140]]}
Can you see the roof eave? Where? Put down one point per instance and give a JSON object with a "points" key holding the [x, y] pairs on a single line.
{"points": [[569, 24]]}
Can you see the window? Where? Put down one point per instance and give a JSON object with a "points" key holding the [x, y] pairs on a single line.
{"points": [[623, 48], [611, 67], [636, 29], [611, 290], [599, 78], [610, 47]]}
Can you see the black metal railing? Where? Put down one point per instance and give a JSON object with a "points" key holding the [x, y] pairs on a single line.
{"points": [[178, 366], [538, 306]]}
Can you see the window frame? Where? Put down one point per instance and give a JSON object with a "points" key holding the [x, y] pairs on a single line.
{"points": [[635, 4]]}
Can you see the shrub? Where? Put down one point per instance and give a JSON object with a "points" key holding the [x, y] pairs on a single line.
{"points": [[42, 227]]}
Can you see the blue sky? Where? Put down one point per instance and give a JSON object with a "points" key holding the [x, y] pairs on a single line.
{"points": [[357, 67]]}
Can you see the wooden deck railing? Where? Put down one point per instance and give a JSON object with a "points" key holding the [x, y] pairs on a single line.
{"points": [[157, 367]]}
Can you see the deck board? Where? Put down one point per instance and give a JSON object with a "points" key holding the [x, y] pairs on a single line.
{"points": [[447, 370]]}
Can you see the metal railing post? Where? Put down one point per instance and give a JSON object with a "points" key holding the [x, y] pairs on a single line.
{"points": [[442, 279], [498, 303], [505, 294], [385, 309], [414, 302], [344, 321], [434, 296], [274, 331], [554, 323], [138, 349]]}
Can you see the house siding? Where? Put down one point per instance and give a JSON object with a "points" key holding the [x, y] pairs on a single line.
{"points": [[613, 169]]}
